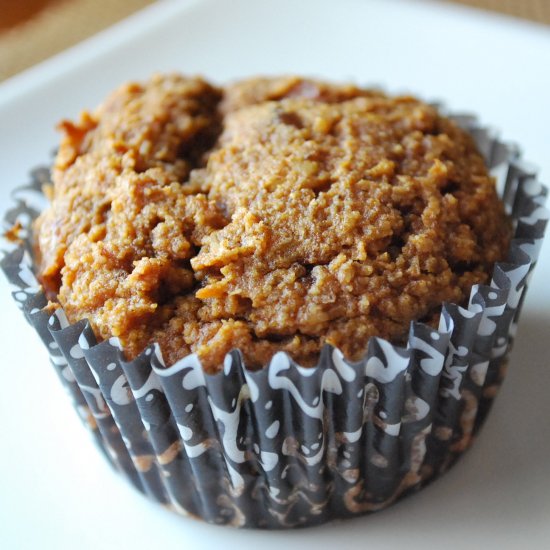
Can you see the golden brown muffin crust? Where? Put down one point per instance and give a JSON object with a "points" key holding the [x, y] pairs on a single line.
{"points": [[273, 214]]}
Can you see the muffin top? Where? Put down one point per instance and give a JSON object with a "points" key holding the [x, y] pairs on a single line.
{"points": [[271, 214]]}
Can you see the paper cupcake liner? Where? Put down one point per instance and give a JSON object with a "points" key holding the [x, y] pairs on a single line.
{"points": [[291, 446]]}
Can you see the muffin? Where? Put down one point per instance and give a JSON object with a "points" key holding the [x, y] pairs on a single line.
{"points": [[280, 301]]}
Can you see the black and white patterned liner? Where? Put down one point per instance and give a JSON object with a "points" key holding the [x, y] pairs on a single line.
{"points": [[291, 446]]}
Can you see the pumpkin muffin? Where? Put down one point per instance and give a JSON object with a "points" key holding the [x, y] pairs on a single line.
{"points": [[267, 215]]}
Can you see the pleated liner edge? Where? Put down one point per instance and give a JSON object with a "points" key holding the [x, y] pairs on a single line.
{"points": [[288, 446]]}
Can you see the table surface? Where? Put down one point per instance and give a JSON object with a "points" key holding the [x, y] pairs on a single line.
{"points": [[56, 491], [34, 30]]}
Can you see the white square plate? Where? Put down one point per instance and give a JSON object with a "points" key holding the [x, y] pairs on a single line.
{"points": [[56, 491]]}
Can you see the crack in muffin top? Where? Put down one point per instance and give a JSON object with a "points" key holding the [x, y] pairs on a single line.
{"points": [[274, 214]]}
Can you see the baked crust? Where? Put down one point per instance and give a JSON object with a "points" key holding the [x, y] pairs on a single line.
{"points": [[272, 214]]}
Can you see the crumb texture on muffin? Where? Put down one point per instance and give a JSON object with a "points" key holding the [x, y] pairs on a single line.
{"points": [[271, 214]]}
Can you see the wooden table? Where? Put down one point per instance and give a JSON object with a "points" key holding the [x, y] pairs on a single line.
{"points": [[33, 30]]}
